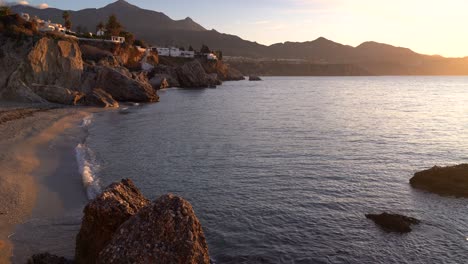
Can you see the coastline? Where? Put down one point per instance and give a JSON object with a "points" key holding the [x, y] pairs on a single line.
{"points": [[36, 178]]}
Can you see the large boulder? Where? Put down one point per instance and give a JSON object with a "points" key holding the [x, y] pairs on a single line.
{"points": [[393, 222], [445, 181], [100, 98], [103, 216], [47, 62], [57, 94], [193, 75], [119, 83], [167, 231]]}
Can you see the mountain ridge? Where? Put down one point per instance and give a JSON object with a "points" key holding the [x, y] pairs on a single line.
{"points": [[159, 29]]}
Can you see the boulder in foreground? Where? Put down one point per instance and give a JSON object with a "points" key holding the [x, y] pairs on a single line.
{"points": [[167, 231], [393, 222], [104, 215], [445, 181]]}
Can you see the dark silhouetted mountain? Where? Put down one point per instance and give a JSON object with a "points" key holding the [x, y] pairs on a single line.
{"points": [[158, 29]]}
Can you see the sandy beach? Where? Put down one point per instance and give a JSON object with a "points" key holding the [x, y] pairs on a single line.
{"points": [[39, 177]]}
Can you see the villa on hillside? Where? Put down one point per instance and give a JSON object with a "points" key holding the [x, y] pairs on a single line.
{"points": [[173, 52], [44, 26]]}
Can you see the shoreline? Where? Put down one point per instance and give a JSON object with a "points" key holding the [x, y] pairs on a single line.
{"points": [[36, 180]]}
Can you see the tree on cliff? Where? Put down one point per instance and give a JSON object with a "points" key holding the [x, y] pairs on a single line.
{"points": [[66, 18], [100, 26], [5, 11], [205, 49], [113, 26], [129, 37], [191, 48]]}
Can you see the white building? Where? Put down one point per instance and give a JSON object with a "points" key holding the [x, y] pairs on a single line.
{"points": [[187, 54], [211, 56], [173, 52], [116, 39], [25, 16], [101, 32]]}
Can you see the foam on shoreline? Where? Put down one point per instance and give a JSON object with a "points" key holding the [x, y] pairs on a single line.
{"points": [[87, 164]]}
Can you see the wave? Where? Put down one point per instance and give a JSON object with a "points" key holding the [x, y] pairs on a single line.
{"points": [[87, 121], [87, 165]]}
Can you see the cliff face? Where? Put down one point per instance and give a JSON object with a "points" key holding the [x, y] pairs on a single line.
{"points": [[45, 63]]}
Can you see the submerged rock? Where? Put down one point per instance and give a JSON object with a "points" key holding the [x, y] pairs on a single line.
{"points": [[254, 78], [46, 258], [445, 181], [393, 222], [103, 216], [167, 231]]}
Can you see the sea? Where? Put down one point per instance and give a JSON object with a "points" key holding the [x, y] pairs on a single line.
{"points": [[285, 169]]}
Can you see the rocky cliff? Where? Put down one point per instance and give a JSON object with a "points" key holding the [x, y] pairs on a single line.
{"points": [[36, 67], [52, 70]]}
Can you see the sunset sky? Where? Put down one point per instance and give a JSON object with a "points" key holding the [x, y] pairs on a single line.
{"points": [[426, 26]]}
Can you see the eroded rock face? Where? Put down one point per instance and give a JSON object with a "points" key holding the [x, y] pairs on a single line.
{"points": [[120, 85], [167, 231], [393, 222], [193, 75], [159, 83], [103, 216], [48, 62], [57, 94], [445, 181], [100, 98]]}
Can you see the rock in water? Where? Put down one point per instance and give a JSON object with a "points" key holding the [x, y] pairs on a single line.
{"points": [[123, 88], [167, 231], [47, 258], [445, 181], [393, 222], [99, 97], [254, 78], [103, 216], [193, 75]]}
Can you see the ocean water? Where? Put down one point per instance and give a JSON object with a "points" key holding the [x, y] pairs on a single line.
{"points": [[283, 171]]}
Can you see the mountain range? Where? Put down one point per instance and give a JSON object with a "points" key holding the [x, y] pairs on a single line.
{"points": [[158, 29]]}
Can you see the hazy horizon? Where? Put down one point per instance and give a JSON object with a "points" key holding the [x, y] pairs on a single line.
{"points": [[425, 27]]}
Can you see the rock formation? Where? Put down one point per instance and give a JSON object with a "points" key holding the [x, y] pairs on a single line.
{"points": [[393, 222], [254, 78], [57, 94], [193, 75], [103, 216], [46, 258], [167, 231], [445, 181], [99, 97], [48, 62], [120, 84], [122, 226]]}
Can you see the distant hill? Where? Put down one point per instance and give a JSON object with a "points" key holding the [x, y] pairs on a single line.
{"points": [[158, 29]]}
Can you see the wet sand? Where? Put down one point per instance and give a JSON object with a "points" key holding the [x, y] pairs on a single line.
{"points": [[38, 172]]}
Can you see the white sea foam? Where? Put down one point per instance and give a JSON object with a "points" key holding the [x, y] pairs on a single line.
{"points": [[87, 121], [87, 165], [88, 169]]}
